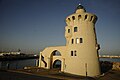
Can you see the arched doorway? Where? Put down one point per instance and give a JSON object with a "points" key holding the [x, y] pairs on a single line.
{"points": [[57, 64], [53, 61]]}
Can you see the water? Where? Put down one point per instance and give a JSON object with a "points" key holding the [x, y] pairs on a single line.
{"points": [[17, 64], [110, 59], [20, 64]]}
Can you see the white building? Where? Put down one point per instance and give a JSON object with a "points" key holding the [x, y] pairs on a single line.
{"points": [[80, 54]]}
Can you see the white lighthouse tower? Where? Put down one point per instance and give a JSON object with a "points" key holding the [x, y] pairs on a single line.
{"points": [[82, 43], [80, 54]]}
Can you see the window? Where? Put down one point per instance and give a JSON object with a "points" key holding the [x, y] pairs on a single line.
{"points": [[91, 18], [79, 17], [94, 20], [72, 41], [75, 53], [81, 40], [68, 19], [73, 17], [85, 16], [71, 53], [77, 40], [68, 30], [75, 29]]}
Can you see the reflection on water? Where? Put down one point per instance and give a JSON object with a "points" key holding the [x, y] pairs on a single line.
{"points": [[18, 64]]}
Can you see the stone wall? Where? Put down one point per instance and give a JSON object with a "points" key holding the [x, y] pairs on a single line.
{"points": [[116, 65]]}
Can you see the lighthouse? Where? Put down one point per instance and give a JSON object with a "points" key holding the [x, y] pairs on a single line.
{"points": [[82, 43], [79, 55]]}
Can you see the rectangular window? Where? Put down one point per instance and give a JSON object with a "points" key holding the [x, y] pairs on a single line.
{"points": [[81, 40], [75, 53], [72, 41], [68, 30], [71, 53], [73, 17], [77, 40], [75, 29]]}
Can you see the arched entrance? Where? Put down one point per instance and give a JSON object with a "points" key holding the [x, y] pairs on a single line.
{"points": [[55, 61], [57, 64]]}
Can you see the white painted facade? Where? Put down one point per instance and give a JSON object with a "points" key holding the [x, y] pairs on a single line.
{"points": [[80, 54]]}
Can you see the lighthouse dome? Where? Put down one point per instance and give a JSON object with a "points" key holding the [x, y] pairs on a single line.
{"points": [[80, 8]]}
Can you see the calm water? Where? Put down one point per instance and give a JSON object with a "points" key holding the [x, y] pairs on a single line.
{"points": [[110, 59], [20, 64]]}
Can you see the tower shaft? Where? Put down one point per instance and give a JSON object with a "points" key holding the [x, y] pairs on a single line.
{"points": [[82, 43]]}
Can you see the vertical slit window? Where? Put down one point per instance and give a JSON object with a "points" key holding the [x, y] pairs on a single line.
{"points": [[68, 30], [77, 40], [75, 54], [73, 17], [71, 53], [85, 17], [72, 41], [81, 40], [91, 18]]}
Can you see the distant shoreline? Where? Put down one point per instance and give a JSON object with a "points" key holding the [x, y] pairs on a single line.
{"points": [[18, 57], [12, 58], [111, 57]]}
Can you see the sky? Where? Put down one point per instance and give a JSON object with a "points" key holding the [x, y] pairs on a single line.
{"points": [[32, 25]]}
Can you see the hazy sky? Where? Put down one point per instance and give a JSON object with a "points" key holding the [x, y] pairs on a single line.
{"points": [[32, 25]]}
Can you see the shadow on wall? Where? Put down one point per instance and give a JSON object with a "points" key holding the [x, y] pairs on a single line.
{"points": [[105, 66]]}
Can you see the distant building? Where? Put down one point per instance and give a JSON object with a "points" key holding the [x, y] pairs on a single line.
{"points": [[9, 53], [80, 54]]}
